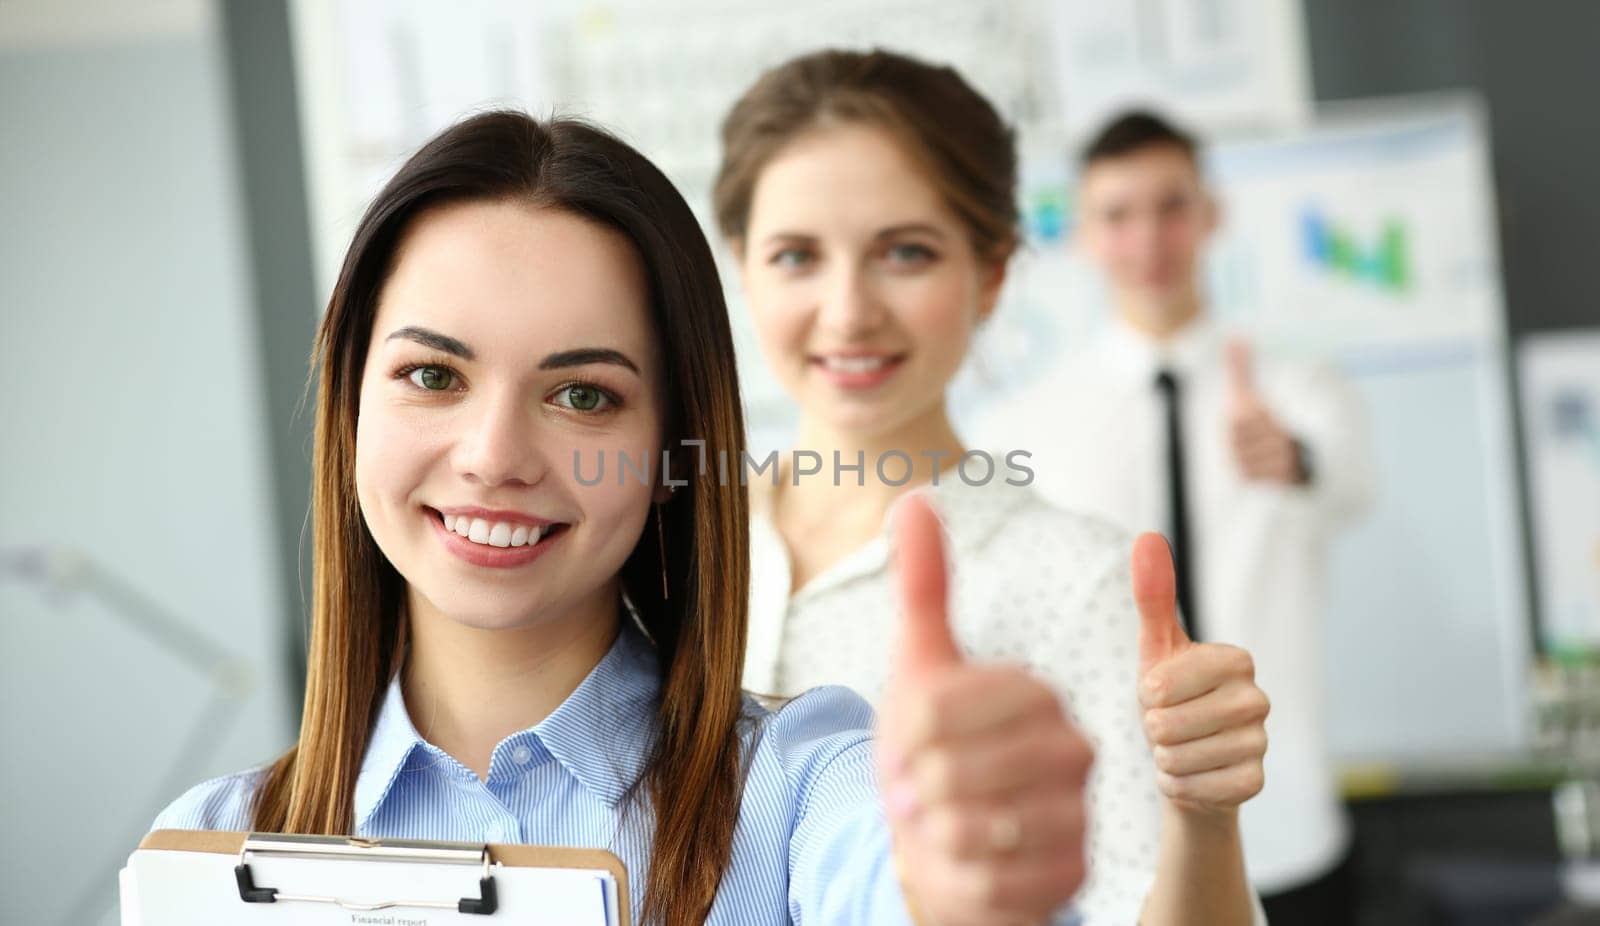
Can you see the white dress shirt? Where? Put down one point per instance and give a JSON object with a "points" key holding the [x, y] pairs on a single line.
{"points": [[1096, 431], [1030, 584]]}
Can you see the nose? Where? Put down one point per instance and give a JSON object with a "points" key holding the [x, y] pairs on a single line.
{"points": [[1145, 233], [498, 442], [850, 308]]}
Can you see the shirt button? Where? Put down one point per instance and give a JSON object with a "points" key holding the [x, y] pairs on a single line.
{"points": [[522, 755]]}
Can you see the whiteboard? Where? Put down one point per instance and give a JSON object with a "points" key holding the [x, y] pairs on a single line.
{"points": [[1560, 380], [1428, 630]]}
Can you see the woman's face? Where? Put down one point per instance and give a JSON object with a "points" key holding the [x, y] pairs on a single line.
{"points": [[864, 285], [508, 339]]}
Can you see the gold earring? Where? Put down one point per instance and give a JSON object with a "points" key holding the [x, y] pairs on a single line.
{"points": [[661, 547]]}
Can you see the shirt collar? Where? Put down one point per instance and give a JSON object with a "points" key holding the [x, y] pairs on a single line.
{"points": [[973, 511], [769, 554], [1139, 356], [602, 734], [393, 740], [970, 512]]}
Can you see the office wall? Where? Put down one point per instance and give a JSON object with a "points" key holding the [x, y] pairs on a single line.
{"points": [[1536, 66], [134, 433]]}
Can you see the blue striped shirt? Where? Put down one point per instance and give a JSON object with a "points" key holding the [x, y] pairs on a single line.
{"points": [[810, 844]]}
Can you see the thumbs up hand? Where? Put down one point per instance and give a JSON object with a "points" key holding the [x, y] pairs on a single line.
{"points": [[983, 774], [1264, 449], [1203, 714]]}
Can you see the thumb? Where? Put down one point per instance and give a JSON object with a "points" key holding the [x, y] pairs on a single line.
{"points": [[1155, 592], [1241, 373], [925, 639]]}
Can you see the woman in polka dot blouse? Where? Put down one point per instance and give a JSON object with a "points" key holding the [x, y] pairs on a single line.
{"points": [[870, 202]]}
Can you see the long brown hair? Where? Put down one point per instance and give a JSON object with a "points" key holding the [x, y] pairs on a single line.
{"points": [[693, 776], [945, 125]]}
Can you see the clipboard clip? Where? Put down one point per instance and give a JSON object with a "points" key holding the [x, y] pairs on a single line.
{"points": [[356, 848]]}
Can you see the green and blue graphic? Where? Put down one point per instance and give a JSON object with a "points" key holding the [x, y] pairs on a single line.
{"points": [[1385, 263]]}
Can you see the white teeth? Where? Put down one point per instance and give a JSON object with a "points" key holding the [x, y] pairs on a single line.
{"points": [[855, 364], [494, 533]]}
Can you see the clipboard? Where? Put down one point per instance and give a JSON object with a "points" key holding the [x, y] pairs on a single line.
{"points": [[194, 877]]}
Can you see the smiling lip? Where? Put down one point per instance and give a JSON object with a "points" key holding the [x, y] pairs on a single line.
{"points": [[857, 370], [478, 554], [495, 514]]}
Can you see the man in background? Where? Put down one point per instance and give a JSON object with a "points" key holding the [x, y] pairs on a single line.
{"points": [[1248, 466]]}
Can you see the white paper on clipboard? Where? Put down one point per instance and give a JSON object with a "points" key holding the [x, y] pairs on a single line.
{"points": [[186, 878]]}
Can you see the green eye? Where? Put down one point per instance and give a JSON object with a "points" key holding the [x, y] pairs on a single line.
{"points": [[584, 398], [911, 253], [791, 258], [435, 379]]}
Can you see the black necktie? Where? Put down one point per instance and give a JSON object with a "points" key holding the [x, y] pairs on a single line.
{"points": [[1178, 504]]}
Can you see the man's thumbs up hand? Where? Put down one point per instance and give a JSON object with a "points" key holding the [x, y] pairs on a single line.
{"points": [[1264, 449]]}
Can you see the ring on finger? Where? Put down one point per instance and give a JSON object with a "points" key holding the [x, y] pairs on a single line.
{"points": [[1005, 833]]}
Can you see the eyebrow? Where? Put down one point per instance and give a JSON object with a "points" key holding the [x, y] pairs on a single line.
{"points": [[910, 227], [433, 339], [890, 232], [586, 355], [576, 357]]}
